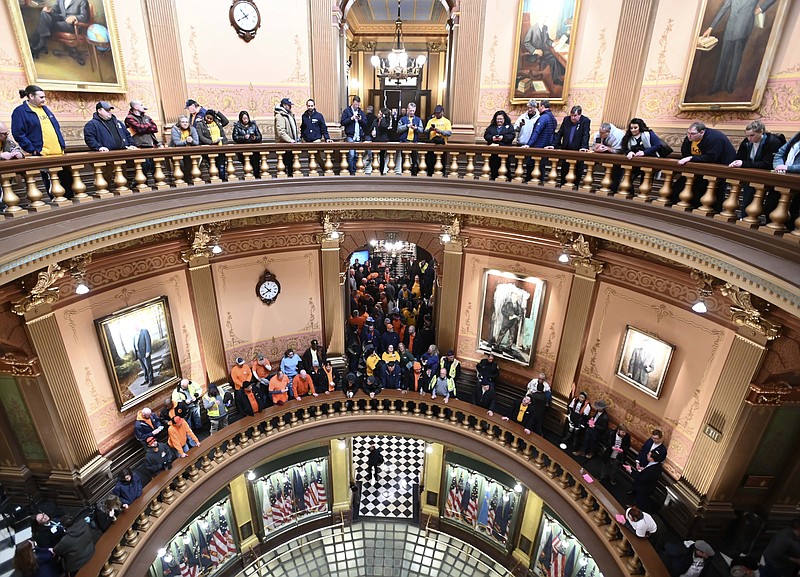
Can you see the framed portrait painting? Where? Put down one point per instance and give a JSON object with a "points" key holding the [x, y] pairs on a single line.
{"points": [[644, 360], [734, 46], [544, 50], [69, 45], [139, 349], [510, 314]]}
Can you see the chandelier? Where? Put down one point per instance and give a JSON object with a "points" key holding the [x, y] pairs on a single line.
{"points": [[397, 66]]}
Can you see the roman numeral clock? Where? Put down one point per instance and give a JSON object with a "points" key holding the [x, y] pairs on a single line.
{"points": [[245, 18]]}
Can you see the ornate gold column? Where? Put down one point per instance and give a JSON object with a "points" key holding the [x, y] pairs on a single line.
{"points": [[332, 295], [241, 490], [447, 301], [204, 301], [636, 22], [464, 82], [581, 297], [528, 528], [327, 76], [704, 473], [432, 480], [340, 476]]}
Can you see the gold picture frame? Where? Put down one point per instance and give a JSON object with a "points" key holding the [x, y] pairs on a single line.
{"points": [[544, 54], [643, 361], [82, 56], [729, 66]]}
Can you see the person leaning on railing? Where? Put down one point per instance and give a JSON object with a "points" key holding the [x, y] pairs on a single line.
{"points": [[500, 132], [704, 145], [245, 131], [212, 132], [757, 150], [787, 160], [638, 141]]}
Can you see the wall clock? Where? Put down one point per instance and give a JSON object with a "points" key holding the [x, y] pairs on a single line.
{"points": [[245, 18], [268, 288]]}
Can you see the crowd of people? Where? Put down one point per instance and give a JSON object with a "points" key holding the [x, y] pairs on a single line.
{"points": [[35, 131]]}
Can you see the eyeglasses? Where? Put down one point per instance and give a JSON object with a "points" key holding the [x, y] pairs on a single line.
{"points": [[690, 133]]}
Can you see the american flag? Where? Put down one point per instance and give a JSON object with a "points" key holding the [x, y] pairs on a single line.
{"points": [[453, 508], [227, 534], [288, 500], [276, 499], [546, 551], [582, 571], [472, 507], [218, 546], [322, 496], [268, 499], [182, 566], [308, 493], [558, 559], [189, 557], [492, 512]]}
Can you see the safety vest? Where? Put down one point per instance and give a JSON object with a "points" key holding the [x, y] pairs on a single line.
{"points": [[214, 409], [451, 384], [453, 368]]}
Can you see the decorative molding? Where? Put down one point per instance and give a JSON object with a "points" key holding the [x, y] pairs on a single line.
{"points": [[204, 239], [745, 314], [12, 363], [43, 292]]}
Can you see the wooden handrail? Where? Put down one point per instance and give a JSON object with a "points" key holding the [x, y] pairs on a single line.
{"points": [[130, 545]]}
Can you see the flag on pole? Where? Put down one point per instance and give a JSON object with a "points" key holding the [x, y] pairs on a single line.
{"points": [[193, 567], [472, 506], [322, 496], [546, 552], [205, 550], [182, 567], [558, 559], [268, 500], [451, 506], [276, 497], [228, 536], [492, 512]]}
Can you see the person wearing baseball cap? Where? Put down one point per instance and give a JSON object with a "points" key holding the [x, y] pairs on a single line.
{"points": [[240, 373], [105, 132], [689, 559], [181, 437], [196, 112], [157, 457], [286, 131]]}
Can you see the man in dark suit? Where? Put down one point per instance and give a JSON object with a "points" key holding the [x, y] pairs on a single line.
{"points": [[249, 401], [707, 145], [59, 18], [645, 479], [142, 347], [655, 444], [573, 135], [484, 397], [757, 151], [522, 413]]}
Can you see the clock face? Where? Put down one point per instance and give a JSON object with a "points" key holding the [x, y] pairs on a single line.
{"points": [[269, 290], [245, 15]]}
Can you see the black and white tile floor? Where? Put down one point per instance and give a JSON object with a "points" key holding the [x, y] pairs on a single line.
{"points": [[391, 493], [9, 539]]}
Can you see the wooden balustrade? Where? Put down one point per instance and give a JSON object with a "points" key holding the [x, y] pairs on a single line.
{"points": [[128, 547], [641, 179]]}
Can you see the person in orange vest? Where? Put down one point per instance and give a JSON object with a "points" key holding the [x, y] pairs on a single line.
{"points": [[240, 373], [279, 388], [181, 436]]}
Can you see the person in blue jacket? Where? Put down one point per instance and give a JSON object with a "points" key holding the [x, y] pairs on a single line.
{"points": [[128, 487], [409, 127], [543, 135], [105, 132]]}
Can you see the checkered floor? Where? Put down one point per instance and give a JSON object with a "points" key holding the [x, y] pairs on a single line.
{"points": [[391, 494]]}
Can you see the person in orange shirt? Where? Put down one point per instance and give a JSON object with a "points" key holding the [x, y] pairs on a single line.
{"points": [[181, 437], [279, 388], [240, 373], [327, 367], [249, 402], [261, 369], [303, 385]]}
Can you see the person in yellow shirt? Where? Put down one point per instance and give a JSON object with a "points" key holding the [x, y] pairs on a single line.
{"points": [[212, 132], [439, 130], [372, 361], [36, 130], [390, 355]]}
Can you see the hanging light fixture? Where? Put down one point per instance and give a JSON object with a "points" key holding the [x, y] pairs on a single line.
{"points": [[397, 65]]}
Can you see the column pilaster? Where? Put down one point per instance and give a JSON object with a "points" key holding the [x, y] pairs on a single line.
{"points": [[464, 82], [333, 297], [204, 302], [434, 469], [528, 528], [447, 327], [327, 77], [340, 476]]}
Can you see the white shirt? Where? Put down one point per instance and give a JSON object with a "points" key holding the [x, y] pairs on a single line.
{"points": [[644, 525], [532, 386]]}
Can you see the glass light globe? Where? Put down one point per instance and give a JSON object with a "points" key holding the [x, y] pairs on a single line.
{"points": [[421, 60], [375, 60]]}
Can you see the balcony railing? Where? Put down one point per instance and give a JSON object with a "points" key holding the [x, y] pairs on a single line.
{"points": [[130, 545], [103, 175]]}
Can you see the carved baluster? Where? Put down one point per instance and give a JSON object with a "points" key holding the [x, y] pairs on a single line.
{"points": [[344, 167], [756, 208], [213, 170], [731, 204], [588, 503], [404, 407], [623, 547], [177, 173], [293, 418], [219, 455], [423, 164], [230, 168], [625, 183], [100, 182], [470, 174], [635, 565], [167, 496], [390, 164], [196, 173], [453, 173], [359, 163], [576, 491], [795, 234], [779, 216], [564, 479], [131, 537], [10, 198], [438, 167], [406, 163], [600, 517], [179, 483], [588, 177], [247, 167], [552, 470], [376, 162], [605, 184], [429, 411], [686, 196], [539, 460], [231, 447], [502, 171], [265, 173], [328, 166], [297, 171], [519, 172], [536, 173], [306, 415], [155, 508], [416, 409], [708, 199], [255, 433], [569, 180], [552, 176], [108, 570], [453, 418], [644, 189], [515, 445], [142, 522], [118, 554], [139, 177], [192, 472], [33, 193], [206, 464], [243, 439], [465, 424], [281, 165], [486, 170], [665, 192], [158, 174], [528, 452]]}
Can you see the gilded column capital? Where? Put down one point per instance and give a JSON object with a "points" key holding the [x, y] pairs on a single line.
{"points": [[746, 315], [43, 292], [330, 237], [451, 237], [579, 252], [205, 244]]}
